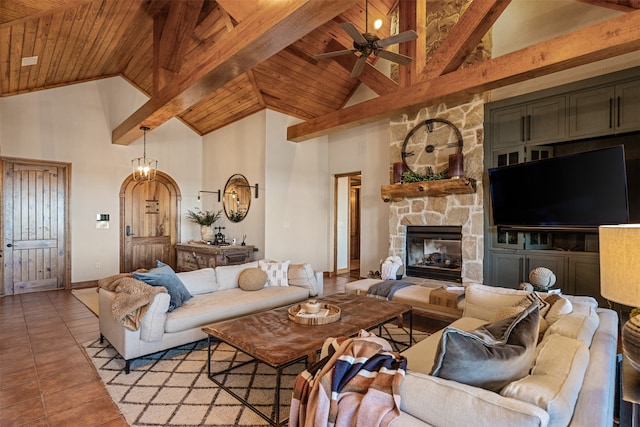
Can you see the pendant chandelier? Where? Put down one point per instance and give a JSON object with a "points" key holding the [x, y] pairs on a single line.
{"points": [[144, 168]]}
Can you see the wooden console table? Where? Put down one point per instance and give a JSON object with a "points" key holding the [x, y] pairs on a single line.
{"points": [[193, 256]]}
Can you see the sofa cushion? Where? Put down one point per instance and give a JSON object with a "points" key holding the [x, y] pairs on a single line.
{"points": [[277, 271], [200, 281], [303, 275], [440, 402], [204, 309], [252, 279], [163, 275], [227, 275], [482, 301], [578, 325], [555, 380], [493, 355]]}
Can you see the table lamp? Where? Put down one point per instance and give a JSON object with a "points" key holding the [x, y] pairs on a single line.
{"points": [[620, 279]]}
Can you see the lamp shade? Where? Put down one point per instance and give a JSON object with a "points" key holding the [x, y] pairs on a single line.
{"points": [[620, 263]]}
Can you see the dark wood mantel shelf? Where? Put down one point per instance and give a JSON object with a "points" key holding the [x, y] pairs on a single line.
{"points": [[443, 187]]}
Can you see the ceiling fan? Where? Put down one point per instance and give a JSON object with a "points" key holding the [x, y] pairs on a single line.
{"points": [[368, 43]]}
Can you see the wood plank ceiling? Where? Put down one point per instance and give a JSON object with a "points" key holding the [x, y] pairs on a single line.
{"points": [[82, 40], [77, 41]]}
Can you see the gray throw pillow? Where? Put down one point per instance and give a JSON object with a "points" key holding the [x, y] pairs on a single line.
{"points": [[493, 355], [163, 275]]}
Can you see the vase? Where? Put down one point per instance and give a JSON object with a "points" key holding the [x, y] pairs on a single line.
{"points": [[206, 233]]}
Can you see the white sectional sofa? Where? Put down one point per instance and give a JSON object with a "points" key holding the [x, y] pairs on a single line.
{"points": [[216, 297], [570, 382]]}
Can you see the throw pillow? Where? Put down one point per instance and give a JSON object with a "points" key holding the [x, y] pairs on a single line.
{"points": [[491, 356], [277, 271], [522, 305], [252, 279], [163, 275], [559, 307]]}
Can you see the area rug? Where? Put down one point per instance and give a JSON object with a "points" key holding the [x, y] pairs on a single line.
{"points": [[89, 297], [171, 388]]}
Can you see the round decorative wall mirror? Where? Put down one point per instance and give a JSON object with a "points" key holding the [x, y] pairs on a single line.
{"points": [[237, 198]]}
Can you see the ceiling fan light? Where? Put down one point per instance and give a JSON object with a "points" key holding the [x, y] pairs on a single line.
{"points": [[377, 24]]}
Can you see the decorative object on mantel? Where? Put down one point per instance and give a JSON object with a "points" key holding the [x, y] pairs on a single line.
{"points": [[620, 279], [439, 188], [428, 150], [205, 219], [144, 168]]}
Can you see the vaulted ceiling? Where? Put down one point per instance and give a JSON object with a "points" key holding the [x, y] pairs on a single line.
{"points": [[210, 63]]}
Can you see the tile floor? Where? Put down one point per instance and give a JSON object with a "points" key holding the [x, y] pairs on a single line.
{"points": [[46, 379]]}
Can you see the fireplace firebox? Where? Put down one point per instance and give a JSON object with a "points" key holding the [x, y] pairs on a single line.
{"points": [[434, 252]]}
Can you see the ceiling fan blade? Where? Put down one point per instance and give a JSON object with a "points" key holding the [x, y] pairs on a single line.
{"points": [[332, 54], [398, 38], [357, 69], [392, 56], [353, 32]]}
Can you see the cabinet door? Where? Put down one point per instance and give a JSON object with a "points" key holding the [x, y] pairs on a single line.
{"points": [[591, 112], [506, 269], [584, 276], [507, 126], [628, 106], [546, 121], [555, 262]]}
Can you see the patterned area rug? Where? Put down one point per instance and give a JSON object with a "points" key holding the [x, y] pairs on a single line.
{"points": [[171, 388]]}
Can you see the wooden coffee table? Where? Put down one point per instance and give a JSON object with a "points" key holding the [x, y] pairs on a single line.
{"points": [[271, 338]]}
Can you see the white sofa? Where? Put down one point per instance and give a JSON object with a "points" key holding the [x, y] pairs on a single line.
{"points": [[571, 381], [216, 297]]}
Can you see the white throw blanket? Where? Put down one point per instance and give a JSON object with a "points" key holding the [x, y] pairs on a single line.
{"points": [[390, 266]]}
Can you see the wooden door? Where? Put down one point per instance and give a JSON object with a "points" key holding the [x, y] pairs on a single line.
{"points": [[34, 226], [149, 222]]}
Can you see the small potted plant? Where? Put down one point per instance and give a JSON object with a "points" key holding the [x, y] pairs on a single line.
{"points": [[205, 219]]}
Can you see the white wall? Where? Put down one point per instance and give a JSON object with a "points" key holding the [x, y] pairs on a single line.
{"points": [[73, 125], [365, 149], [297, 191], [237, 148], [289, 219], [526, 22]]}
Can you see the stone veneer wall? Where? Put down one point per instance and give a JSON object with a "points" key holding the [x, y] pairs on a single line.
{"points": [[460, 209], [465, 209]]}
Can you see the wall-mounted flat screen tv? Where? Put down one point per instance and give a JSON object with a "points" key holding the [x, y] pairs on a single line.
{"points": [[582, 190]]}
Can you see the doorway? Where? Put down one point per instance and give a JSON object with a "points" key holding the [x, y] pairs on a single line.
{"points": [[149, 222], [347, 224], [35, 226]]}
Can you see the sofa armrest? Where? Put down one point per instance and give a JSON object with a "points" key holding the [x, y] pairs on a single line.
{"points": [[151, 324], [452, 403], [153, 321]]}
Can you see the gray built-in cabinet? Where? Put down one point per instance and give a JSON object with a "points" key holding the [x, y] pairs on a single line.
{"points": [[569, 118]]}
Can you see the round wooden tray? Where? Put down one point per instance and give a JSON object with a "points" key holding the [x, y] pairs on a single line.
{"points": [[334, 315]]}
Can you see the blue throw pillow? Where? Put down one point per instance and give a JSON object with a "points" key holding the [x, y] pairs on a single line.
{"points": [[163, 275]]}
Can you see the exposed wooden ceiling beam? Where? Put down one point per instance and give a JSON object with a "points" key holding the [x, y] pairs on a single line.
{"points": [[274, 26], [465, 36], [413, 16], [614, 37], [176, 33]]}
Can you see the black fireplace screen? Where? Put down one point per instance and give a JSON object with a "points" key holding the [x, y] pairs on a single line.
{"points": [[434, 252]]}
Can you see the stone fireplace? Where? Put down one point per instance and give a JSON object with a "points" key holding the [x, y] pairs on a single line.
{"points": [[464, 211]]}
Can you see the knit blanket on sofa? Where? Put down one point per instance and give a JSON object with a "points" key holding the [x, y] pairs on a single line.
{"points": [[132, 300], [356, 383]]}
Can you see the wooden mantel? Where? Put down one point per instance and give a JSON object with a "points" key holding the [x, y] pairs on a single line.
{"points": [[443, 187]]}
